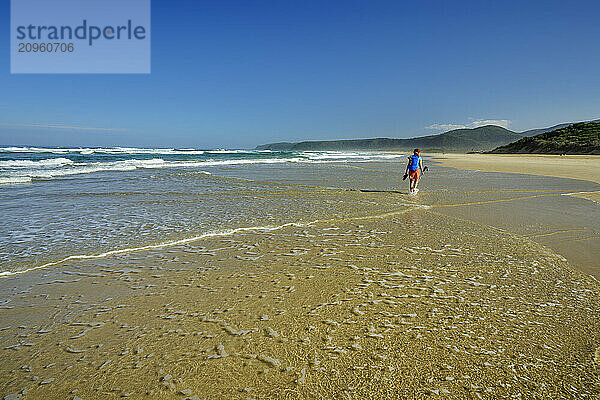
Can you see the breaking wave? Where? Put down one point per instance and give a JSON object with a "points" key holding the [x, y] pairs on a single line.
{"points": [[19, 165]]}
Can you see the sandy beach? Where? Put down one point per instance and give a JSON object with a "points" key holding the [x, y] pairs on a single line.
{"points": [[211, 201], [568, 227], [368, 292], [349, 308], [586, 167]]}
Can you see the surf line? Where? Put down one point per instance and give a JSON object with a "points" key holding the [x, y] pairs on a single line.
{"points": [[559, 232], [584, 192], [477, 203], [575, 194], [228, 232], [160, 245]]}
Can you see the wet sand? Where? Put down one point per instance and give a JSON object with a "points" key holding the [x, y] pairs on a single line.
{"points": [[593, 196], [408, 304], [551, 214], [391, 296], [586, 167]]}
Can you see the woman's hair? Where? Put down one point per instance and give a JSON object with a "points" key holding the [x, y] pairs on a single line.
{"points": [[417, 151]]}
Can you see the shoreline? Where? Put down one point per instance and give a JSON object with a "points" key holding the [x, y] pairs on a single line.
{"points": [[339, 305], [577, 241], [530, 164], [272, 313], [581, 167]]}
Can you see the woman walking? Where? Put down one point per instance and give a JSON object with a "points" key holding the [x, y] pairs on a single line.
{"points": [[414, 169]]}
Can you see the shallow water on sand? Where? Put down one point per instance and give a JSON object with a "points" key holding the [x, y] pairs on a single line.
{"points": [[535, 207], [51, 220], [407, 304], [84, 215], [346, 287]]}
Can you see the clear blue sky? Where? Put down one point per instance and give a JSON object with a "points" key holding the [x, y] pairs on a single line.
{"points": [[239, 73]]}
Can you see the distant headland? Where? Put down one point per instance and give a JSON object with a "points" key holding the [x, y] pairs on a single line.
{"points": [[569, 138]]}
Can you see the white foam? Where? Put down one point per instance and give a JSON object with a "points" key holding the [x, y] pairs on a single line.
{"points": [[265, 228], [49, 162], [124, 150], [8, 180], [349, 156], [585, 192], [41, 169], [160, 245], [91, 150], [24, 171]]}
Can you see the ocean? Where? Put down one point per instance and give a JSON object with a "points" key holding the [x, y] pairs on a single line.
{"points": [[77, 202], [65, 203], [234, 273]]}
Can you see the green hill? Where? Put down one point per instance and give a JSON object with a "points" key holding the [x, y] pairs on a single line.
{"points": [[580, 138], [533, 132], [459, 140]]}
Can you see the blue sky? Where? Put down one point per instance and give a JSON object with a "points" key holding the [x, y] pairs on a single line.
{"points": [[229, 74]]}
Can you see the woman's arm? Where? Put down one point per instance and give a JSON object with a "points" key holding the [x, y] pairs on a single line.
{"points": [[421, 164]]}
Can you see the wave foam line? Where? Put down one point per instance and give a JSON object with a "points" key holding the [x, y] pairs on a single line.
{"points": [[584, 192], [8, 180], [47, 162], [200, 237], [159, 245], [578, 195]]}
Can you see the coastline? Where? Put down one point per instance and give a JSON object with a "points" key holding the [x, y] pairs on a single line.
{"points": [[568, 228], [336, 309], [584, 167], [381, 284]]}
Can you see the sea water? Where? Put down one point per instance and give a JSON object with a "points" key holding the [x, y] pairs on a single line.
{"points": [[63, 202], [57, 203]]}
